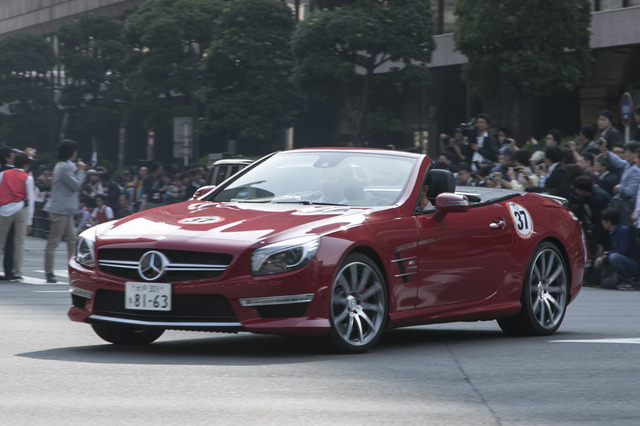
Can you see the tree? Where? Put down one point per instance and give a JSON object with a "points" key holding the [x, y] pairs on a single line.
{"points": [[524, 47], [92, 50], [26, 62], [247, 70], [168, 39], [346, 49]]}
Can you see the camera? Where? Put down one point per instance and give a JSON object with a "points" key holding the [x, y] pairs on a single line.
{"points": [[468, 129]]}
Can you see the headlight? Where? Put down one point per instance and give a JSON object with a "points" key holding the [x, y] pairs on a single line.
{"points": [[284, 256], [84, 248]]}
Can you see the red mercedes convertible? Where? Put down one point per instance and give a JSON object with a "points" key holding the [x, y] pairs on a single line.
{"points": [[338, 243]]}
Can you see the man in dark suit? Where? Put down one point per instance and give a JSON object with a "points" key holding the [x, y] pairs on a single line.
{"points": [[589, 206], [556, 180], [607, 131], [607, 179], [484, 143]]}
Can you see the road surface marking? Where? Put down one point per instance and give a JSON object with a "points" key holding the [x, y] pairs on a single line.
{"points": [[629, 340]]}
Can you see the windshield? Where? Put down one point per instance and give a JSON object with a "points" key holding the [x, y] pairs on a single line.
{"points": [[338, 178]]}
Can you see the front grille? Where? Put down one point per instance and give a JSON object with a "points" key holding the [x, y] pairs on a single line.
{"points": [[185, 308], [183, 266]]}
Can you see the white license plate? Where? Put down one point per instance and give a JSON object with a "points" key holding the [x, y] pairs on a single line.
{"points": [[147, 296]]}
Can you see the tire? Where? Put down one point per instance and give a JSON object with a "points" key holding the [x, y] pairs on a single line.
{"points": [[544, 295], [121, 335], [358, 305]]}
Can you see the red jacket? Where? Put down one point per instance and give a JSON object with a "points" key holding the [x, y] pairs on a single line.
{"points": [[13, 187]]}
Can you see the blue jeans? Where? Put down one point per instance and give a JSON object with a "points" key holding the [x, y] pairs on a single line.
{"points": [[625, 267]]}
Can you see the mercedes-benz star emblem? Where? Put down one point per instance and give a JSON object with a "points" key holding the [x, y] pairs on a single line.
{"points": [[152, 265]]}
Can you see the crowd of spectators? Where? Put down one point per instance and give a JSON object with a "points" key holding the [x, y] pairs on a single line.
{"points": [[114, 194], [598, 173]]}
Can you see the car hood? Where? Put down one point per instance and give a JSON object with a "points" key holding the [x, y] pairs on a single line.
{"points": [[241, 222]]}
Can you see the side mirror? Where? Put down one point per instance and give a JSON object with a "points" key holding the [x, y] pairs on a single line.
{"points": [[449, 202], [202, 190]]}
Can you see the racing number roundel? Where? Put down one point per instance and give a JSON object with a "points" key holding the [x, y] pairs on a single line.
{"points": [[521, 220], [201, 220]]}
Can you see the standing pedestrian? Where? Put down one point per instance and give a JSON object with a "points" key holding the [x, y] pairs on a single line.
{"points": [[17, 203], [62, 206], [7, 155]]}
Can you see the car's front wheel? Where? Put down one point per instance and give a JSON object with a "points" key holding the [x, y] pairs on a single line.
{"points": [[358, 306], [544, 295], [121, 335]]}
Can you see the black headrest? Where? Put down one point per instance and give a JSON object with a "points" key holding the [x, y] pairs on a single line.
{"points": [[439, 181]]}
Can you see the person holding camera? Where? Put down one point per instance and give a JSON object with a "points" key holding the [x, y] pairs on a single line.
{"points": [[484, 145], [464, 176], [451, 147], [624, 254], [589, 204], [554, 178], [625, 192], [522, 175], [606, 129], [68, 177], [607, 180]]}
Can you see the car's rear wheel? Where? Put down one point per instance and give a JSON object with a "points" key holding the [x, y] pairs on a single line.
{"points": [[121, 335], [358, 307], [544, 295]]}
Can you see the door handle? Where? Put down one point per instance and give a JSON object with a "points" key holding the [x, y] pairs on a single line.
{"points": [[498, 224]]}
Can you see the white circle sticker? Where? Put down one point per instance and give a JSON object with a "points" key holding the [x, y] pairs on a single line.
{"points": [[521, 220], [202, 220]]}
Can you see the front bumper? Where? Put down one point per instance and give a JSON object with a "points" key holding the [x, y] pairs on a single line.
{"points": [[293, 303]]}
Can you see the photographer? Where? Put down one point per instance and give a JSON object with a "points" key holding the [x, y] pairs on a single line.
{"points": [[524, 176], [554, 175], [455, 147], [484, 145], [625, 192], [607, 180], [607, 131], [464, 177]]}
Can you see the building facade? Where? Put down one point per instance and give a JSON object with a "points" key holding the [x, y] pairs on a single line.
{"points": [[615, 44], [44, 17]]}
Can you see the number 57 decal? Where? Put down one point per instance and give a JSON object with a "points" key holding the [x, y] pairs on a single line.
{"points": [[521, 220]]}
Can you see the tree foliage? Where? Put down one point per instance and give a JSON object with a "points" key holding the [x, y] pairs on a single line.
{"points": [[168, 38], [247, 72], [92, 50], [346, 49], [26, 62], [535, 47]]}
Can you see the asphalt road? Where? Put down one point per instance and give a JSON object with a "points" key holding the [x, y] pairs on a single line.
{"points": [[56, 372]]}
